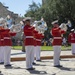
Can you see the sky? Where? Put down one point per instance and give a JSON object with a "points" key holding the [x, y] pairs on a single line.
{"points": [[19, 6]]}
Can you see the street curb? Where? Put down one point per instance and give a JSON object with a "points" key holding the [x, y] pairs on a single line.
{"points": [[42, 58]]}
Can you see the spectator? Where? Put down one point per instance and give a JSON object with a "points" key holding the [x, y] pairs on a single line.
{"points": [[64, 41]]}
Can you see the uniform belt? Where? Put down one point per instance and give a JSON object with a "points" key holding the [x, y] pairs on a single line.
{"points": [[38, 40], [29, 37], [2, 39], [7, 38], [72, 39], [57, 37]]}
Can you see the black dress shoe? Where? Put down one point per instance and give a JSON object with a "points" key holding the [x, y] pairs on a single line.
{"points": [[58, 66], [23, 50], [31, 68], [34, 63], [38, 60], [8, 65]]}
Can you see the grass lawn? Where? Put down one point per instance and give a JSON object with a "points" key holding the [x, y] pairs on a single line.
{"points": [[44, 48]]}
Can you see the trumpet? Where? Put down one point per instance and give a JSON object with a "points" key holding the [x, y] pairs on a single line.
{"points": [[63, 26], [42, 27], [13, 28], [16, 28]]}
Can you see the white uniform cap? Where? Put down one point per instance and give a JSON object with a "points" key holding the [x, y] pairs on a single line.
{"points": [[56, 21], [72, 29], [8, 16], [27, 18]]}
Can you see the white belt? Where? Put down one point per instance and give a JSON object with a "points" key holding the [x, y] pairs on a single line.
{"points": [[7, 38], [57, 37], [38, 40], [72, 39], [2, 39], [29, 37]]}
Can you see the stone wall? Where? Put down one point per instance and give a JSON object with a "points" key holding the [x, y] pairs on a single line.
{"points": [[4, 12]]}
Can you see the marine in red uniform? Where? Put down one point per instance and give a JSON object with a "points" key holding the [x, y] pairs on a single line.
{"points": [[7, 46], [38, 37], [35, 44], [1, 47], [71, 40], [29, 44], [57, 42]]}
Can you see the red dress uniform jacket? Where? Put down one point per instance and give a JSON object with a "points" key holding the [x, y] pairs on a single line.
{"points": [[38, 39], [2, 37], [2, 40], [35, 33], [7, 37], [2, 30], [57, 38], [71, 38], [29, 37]]}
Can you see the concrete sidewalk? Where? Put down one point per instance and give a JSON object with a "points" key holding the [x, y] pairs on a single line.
{"points": [[45, 67], [17, 53]]}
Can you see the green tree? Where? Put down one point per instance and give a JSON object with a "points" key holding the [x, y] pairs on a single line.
{"points": [[53, 9], [34, 11]]}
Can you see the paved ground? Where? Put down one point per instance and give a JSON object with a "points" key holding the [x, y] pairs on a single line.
{"points": [[17, 53], [45, 67]]}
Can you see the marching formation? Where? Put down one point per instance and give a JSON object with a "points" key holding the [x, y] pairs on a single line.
{"points": [[34, 33]]}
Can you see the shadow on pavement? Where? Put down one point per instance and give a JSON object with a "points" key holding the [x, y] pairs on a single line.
{"points": [[31, 71], [67, 69], [46, 61], [64, 60], [12, 67], [1, 73], [38, 72], [18, 53], [39, 65]]}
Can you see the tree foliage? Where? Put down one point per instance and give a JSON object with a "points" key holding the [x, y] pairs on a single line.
{"points": [[34, 11], [53, 9]]}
